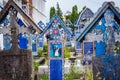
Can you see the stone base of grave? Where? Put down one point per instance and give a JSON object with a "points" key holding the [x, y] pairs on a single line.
{"points": [[16, 66]]}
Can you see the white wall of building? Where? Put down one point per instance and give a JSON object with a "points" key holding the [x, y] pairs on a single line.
{"points": [[39, 12], [1, 41]]}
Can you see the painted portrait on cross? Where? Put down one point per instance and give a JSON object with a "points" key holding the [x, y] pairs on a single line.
{"points": [[55, 49]]}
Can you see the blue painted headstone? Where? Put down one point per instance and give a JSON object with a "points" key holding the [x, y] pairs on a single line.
{"points": [[34, 49], [88, 51], [77, 45], [6, 41], [20, 22], [41, 25], [40, 41], [22, 42], [41, 44], [100, 48], [88, 47], [56, 70], [34, 46]]}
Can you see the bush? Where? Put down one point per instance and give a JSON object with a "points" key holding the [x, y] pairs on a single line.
{"points": [[44, 77], [45, 48], [66, 52], [72, 49], [40, 53], [36, 65], [73, 74], [89, 75]]}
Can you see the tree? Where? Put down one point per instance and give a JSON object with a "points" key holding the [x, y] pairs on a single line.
{"points": [[74, 14], [59, 11], [52, 12], [68, 17]]}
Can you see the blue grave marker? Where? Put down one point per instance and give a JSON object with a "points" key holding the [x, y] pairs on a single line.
{"points": [[41, 25], [34, 46], [6, 41], [56, 60], [87, 51], [40, 41], [88, 48], [100, 48], [56, 70], [22, 42]]}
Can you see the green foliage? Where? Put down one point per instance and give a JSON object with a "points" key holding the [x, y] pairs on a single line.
{"points": [[72, 49], [116, 48], [59, 11], [74, 14], [44, 77], [89, 75], [52, 12], [66, 52], [74, 74], [83, 7], [68, 17], [82, 10], [71, 74], [45, 48], [36, 65], [40, 52]]}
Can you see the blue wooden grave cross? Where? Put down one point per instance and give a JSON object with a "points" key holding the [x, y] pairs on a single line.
{"points": [[56, 62], [56, 57]]}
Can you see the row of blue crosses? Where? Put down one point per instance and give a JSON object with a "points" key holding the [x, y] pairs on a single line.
{"points": [[41, 25], [23, 38]]}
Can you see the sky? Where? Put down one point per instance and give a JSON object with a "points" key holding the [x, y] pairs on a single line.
{"points": [[66, 5]]}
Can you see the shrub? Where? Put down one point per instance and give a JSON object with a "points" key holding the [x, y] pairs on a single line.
{"points": [[44, 77], [40, 53], [45, 48], [36, 65], [89, 75], [72, 49], [66, 52]]}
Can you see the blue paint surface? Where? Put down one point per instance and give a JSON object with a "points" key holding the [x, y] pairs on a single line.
{"points": [[34, 49], [41, 44], [22, 42], [6, 41], [109, 67], [56, 70], [100, 48], [20, 23], [88, 47], [78, 45], [41, 25], [34, 45]]}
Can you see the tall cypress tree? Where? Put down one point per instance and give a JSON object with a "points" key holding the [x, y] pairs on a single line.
{"points": [[74, 14], [59, 11], [52, 12]]}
